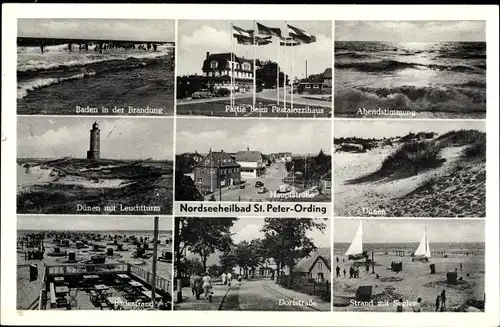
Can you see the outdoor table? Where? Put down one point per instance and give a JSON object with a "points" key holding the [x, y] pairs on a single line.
{"points": [[135, 288], [123, 276], [135, 284], [101, 290], [149, 295], [116, 302], [62, 290], [59, 280], [90, 278]]}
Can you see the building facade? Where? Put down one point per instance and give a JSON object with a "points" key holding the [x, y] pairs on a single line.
{"points": [[316, 266], [283, 156], [216, 170], [251, 162], [219, 67], [321, 85]]}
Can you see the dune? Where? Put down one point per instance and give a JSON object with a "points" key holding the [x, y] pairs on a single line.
{"points": [[448, 180]]}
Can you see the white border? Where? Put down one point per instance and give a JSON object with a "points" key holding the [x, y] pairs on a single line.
{"points": [[263, 12]]}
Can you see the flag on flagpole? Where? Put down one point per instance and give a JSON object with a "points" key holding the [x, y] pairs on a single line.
{"points": [[289, 42], [238, 31], [271, 31], [300, 35], [258, 40]]}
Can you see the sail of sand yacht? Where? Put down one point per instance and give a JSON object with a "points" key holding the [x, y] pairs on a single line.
{"points": [[423, 251], [355, 250]]}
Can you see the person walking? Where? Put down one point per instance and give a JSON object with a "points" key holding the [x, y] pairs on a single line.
{"points": [[443, 301], [197, 285], [399, 307], [229, 277], [223, 278], [207, 285], [418, 306], [438, 302], [344, 272], [338, 271]]}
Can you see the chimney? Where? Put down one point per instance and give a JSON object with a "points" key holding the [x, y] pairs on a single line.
{"points": [[248, 148], [208, 54], [222, 151]]}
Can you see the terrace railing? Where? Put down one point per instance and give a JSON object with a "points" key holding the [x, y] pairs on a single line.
{"points": [[77, 269], [160, 282]]}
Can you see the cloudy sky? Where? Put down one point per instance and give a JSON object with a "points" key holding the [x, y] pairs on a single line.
{"points": [[121, 138], [84, 223], [115, 29], [410, 31], [246, 229], [264, 135], [196, 38], [410, 230], [391, 128]]}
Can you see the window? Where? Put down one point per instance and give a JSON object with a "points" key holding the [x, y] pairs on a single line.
{"points": [[308, 86], [320, 265], [316, 86], [246, 66], [200, 180], [213, 64]]}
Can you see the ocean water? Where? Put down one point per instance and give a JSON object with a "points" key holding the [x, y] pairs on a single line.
{"points": [[58, 80], [436, 79], [381, 248]]}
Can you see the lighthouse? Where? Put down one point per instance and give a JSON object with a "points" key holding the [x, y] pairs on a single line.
{"points": [[94, 150]]}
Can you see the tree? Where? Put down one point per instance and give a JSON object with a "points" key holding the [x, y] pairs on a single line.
{"points": [[228, 260], [248, 254], [185, 190], [201, 236], [191, 266], [184, 163], [289, 236], [266, 74]]}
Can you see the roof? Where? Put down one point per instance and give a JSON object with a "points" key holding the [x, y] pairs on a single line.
{"points": [[327, 73], [222, 60], [305, 264], [248, 156], [217, 158]]}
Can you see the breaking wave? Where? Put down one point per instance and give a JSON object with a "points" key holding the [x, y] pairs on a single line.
{"points": [[23, 89], [394, 65], [447, 99]]}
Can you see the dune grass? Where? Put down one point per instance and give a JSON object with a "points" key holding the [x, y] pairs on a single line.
{"points": [[415, 156]]}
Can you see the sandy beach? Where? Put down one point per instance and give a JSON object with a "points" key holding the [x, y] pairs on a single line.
{"points": [[412, 282]]}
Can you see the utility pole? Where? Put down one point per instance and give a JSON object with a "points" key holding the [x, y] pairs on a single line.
{"points": [[220, 182], [306, 69], [155, 257]]}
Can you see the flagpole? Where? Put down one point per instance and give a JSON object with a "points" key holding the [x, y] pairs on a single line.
{"points": [[291, 85], [254, 69], [284, 74], [278, 76], [231, 99]]}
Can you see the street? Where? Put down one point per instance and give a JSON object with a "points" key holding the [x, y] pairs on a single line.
{"points": [[272, 179], [266, 295], [216, 106]]}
